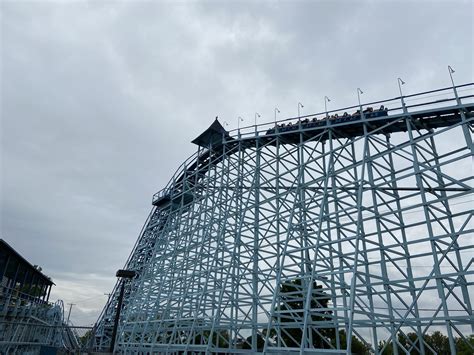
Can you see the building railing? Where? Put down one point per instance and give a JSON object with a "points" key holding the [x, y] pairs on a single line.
{"points": [[12, 298]]}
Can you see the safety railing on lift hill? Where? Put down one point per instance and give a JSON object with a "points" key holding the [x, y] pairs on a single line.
{"points": [[439, 98], [168, 189]]}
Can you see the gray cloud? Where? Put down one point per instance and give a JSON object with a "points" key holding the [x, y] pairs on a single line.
{"points": [[100, 102]]}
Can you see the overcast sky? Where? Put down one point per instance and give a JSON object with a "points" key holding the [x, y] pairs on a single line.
{"points": [[99, 103]]}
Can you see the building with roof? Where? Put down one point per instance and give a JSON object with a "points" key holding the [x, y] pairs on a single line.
{"points": [[20, 278], [29, 323]]}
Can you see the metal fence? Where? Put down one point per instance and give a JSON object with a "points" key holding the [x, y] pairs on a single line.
{"points": [[31, 336]]}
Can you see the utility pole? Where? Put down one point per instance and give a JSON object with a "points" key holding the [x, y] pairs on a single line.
{"points": [[69, 314]]}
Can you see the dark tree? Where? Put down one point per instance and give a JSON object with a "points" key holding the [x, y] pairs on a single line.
{"points": [[439, 343], [220, 339], [436, 341], [291, 315], [410, 342], [357, 347], [464, 348], [260, 343], [86, 339]]}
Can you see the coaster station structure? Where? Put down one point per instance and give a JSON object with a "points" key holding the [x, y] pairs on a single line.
{"points": [[29, 323], [310, 236]]}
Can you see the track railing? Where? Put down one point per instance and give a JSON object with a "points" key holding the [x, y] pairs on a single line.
{"points": [[439, 98]]}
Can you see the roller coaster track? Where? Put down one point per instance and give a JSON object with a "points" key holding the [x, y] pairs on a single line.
{"points": [[265, 206]]}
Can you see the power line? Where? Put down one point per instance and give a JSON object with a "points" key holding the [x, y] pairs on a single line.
{"points": [[91, 298]]}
